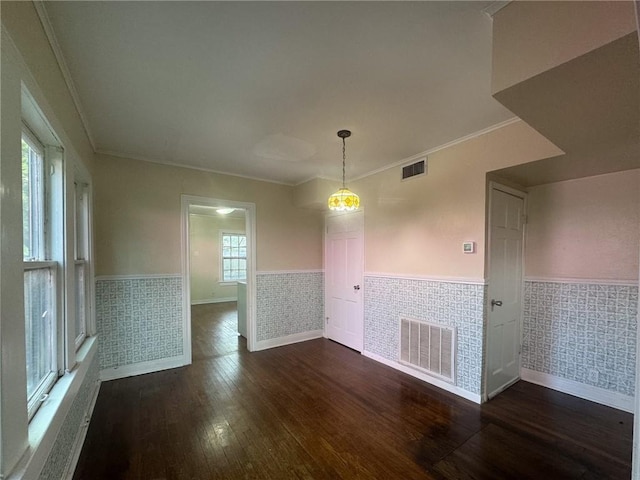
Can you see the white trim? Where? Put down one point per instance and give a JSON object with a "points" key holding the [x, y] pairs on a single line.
{"points": [[428, 278], [138, 276], [228, 232], [47, 422], [474, 397], [187, 201], [287, 272], [426, 153], [581, 390], [493, 186], [586, 281], [406, 160], [140, 158], [142, 368], [78, 443], [354, 228], [64, 69], [287, 340], [214, 300]]}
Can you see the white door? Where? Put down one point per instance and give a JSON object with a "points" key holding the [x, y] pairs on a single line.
{"points": [[505, 289], [344, 265]]}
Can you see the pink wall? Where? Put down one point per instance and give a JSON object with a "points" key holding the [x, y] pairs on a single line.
{"points": [[587, 228]]}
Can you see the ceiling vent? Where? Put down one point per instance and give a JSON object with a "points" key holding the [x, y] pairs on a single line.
{"points": [[415, 169]]}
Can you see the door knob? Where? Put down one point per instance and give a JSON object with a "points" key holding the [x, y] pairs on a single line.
{"points": [[356, 287], [495, 303]]}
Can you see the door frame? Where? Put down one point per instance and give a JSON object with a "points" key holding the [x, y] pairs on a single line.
{"points": [[187, 201], [491, 186], [324, 266]]}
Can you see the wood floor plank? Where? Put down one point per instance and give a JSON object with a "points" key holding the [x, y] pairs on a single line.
{"points": [[318, 410]]}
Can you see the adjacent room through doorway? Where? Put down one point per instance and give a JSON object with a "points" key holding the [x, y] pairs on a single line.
{"points": [[217, 277]]}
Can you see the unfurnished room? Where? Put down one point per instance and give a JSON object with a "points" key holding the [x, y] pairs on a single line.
{"points": [[319, 240]]}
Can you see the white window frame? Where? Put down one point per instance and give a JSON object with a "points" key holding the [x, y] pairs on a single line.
{"points": [[42, 247], [222, 257], [49, 257], [81, 227], [40, 394]]}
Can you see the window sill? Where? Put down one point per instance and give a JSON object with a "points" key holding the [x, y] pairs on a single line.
{"points": [[231, 283], [46, 423]]}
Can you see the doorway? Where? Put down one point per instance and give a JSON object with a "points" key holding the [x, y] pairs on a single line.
{"points": [[504, 308], [344, 274], [217, 263], [214, 306]]}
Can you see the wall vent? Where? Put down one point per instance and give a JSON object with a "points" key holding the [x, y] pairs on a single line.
{"points": [[415, 169], [428, 347]]}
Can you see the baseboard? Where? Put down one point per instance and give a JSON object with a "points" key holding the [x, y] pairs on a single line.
{"points": [[474, 397], [142, 368], [287, 340], [72, 462], [214, 300], [577, 389]]}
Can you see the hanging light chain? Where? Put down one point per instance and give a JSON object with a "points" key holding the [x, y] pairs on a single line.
{"points": [[344, 199], [344, 157]]}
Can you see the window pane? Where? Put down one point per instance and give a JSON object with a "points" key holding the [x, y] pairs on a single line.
{"points": [[234, 251], [81, 226], [40, 331], [80, 300], [32, 203]]}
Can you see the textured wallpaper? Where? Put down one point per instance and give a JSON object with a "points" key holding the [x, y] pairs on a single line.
{"points": [[387, 300], [289, 303], [139, 320], [56, 463], [571, 330]]}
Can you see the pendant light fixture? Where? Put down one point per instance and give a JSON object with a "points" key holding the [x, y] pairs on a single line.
{"points": [[344, 199]]}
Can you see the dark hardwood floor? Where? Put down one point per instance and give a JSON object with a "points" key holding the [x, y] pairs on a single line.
{"points": [[317, 410]]}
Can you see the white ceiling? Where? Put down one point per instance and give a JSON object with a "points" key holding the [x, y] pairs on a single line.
{"points": [[260, 89]]}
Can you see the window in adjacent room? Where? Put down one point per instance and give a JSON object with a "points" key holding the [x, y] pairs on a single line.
{"points": [[39, 276], [234, 257]]}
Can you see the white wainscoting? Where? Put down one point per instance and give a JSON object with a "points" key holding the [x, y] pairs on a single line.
{"points": [[288, 339], [141, 368], [215, 300], [425, 378], [587, 392]]}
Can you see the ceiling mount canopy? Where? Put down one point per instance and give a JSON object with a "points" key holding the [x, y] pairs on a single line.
{"points": [[344, 199]]}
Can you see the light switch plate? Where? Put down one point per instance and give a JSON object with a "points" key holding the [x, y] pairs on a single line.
{"points": [[469, 247]]}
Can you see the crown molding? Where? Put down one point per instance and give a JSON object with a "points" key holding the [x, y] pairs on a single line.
{"points": [[64, 69], [426, 153]]}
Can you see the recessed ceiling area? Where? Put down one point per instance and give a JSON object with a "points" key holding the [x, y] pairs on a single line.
{"points": [[259, 89]]}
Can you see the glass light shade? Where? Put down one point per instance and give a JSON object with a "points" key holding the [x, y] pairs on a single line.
{"points": [[344, 199]]}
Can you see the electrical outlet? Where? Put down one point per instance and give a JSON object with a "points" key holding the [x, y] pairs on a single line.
{"points": [[592, 375]]}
